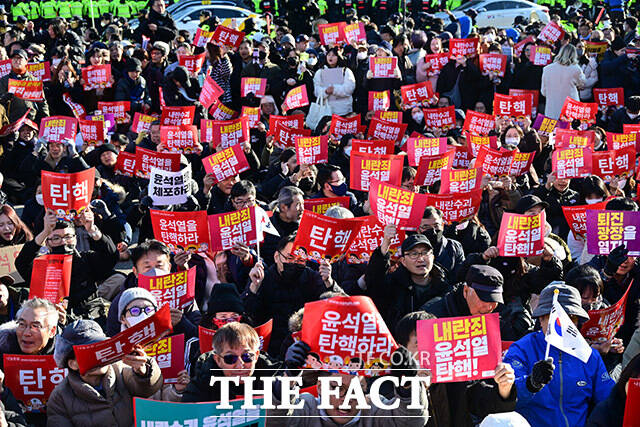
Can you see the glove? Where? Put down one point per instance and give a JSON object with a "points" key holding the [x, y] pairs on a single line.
{"points": [[71, 147], [191, 204], [541, 375], [615, 259], [403, 363], [296, 355]]}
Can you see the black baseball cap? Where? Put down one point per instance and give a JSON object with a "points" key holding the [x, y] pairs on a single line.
{"points": [[487, 282], [415, 240]]}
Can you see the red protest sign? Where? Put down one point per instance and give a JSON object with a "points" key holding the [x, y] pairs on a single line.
{"points": [[383, 67], [225, 36], [435, 62], [205, 336], [541, 55], [57, 129], [31, 379], [533, 96], [517, 106], [344, 126], [457, 207], [126, 163], [479, 123], [296, 98], [103, 353], [181, 230], [364, 167], [295, 121], [394, 205], [475, 142], [331, 33], [51, 277], [226, 133], [430, 167], [462, 348], [418, 147], [312, 150], [230, 227], [372, 146], [40, 70], [210, 93], [15, 126], [576, 216], [29, 90], [355, 33], [575, 110], [177, 116], [77, 109], [609, 164], [460, 180], [616, 141], [175, 289], [327, 325], [632, 404], [519, 47], [494, 162], [572, 162], [609, 96], [251, 113], [169, 355], [92, 131], [463, 47], [226, 163], [147, 159], [5, 67], [254, 85], [604, 324], [96, 77], [119, 110], [369, 238], [321, 204], [570, 138], [379, 101], [193, 63], [416, 95], [285, 137], [521, 235], [219, 111], [440, 118], [381, 129], [202, 37], [551, 33], [67, 192], [321, 237], [495, 63], [141, 123], [521, 163], [388, 116]]}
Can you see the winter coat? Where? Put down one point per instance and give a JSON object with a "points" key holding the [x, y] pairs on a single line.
{"points": [[135, 91], [17, 107], [449, 256], [341, 100], [590, 71], [555, 216], [9, 342], [558, 83], [166, 31], [468, 80], [610, 70], [608, 413]]}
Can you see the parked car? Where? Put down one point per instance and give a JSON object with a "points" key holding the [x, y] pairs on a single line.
{"points": [[500, 13]]}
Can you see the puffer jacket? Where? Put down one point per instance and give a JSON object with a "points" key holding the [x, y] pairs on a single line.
{"points": [[76, 403], [574, 388], [341, 100], [9, 342]]}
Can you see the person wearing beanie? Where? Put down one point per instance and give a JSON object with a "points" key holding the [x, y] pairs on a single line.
{"points": [[134, 306], [225, 305], [560, 389], [102, 396]]}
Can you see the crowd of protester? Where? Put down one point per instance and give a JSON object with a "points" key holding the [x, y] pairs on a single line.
{"points": [[443, 270]]}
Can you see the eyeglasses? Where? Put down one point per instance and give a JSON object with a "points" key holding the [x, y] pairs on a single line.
{"points": [[249, 202], [231, 359], [34, 327], [58, 239], [136, 311], [415, 255], [337, 181]]}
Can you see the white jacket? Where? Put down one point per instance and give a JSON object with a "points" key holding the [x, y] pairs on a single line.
{"points": [[340, 101]]}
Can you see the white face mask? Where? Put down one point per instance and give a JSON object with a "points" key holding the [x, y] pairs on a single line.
{"points": [[40, 199], [312, 45], [347, 151], [462, 225], [622, 183], [632, 116], [592, 201], [312, 61], [362, 56], [132, 321], [418, 116], [513, 141]]}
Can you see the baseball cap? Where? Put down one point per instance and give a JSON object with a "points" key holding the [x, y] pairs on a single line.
{"points": [[487, 282], [415, 240]]}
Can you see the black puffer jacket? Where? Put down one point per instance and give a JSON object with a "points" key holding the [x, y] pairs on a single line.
{"points": [[556, 201], [166, 31]]}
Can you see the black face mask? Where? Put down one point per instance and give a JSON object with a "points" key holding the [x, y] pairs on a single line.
{"points": [[434, 236], [291, 272], [61, 250], [305, 184]]}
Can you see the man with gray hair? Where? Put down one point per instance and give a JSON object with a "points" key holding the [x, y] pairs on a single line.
{"points": [[286, 219]]}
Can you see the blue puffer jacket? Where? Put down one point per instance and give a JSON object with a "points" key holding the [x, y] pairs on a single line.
{"points": [[575, 388]]}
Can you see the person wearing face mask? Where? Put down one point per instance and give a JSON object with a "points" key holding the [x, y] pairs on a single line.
{"points": [[333, 184], [416, 121], [470, 233], [589, 66], [556, 193], [296, 74], [629, 114], [17, 148], [448, 253], [276, 292], [17, 107]]}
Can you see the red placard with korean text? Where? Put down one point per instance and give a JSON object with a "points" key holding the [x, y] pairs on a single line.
{"points": [[572, 162], [632, 405], [181, 230], [379, 101], [142, 123], [460, 180], [169, 355], [463, 47], [226, 163], [571, 138], [96, 77], [321, 237], [533, 96], [609, 96], [331, 33], [616, 141], [576, 216], [551, 33], [462, 348], [177, 116], [67, 192], [193, 63], [521, 163], [369, 238], [210, 93], [494, 162], [430, 167], [51, 277], [364, 167], [296, 98], [440, 118], [383, 67], [321, 204], [106, 352], [58, 129], [227, 132], [31, 379], [312, 150], [416, 95], [219, 111], [521, 235], [541, 55], [119, 109], [394, 205], [381, 129], [76, 108], [457, 207], [202, 37], [230, 227], [372, 146], [343, 126], [295, 121], [519, 47], [126, 163], [612, 163], [327, 325], [285, 137], [604, 324], [421, 146], [479, 123], [225, 36], [15, 126], [495, 63], [92, 131], [40, 70], [5, 67], [511, 105], [254, 85], [146, 159], [435, 62], [251, 113], [205, 336], [576, 110], [475, 142], [175, 289], [388, 116], [29, 90], [355, 33]]}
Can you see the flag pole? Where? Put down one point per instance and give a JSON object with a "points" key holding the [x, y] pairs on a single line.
{"points": [[255, 212], [555, 300]]}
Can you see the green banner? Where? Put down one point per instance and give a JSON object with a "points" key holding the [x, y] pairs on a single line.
{"points": [[153, 413]]}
